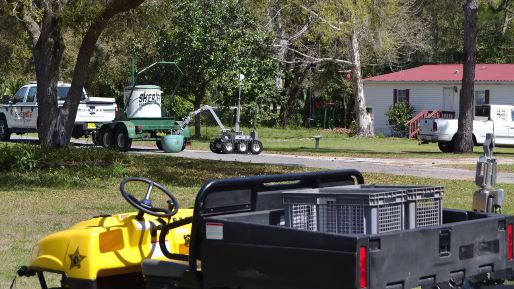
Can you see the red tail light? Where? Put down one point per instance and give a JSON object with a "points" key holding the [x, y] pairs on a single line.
{"points": [[363, 265], [510, 253], [116, 112], [434, 126]]}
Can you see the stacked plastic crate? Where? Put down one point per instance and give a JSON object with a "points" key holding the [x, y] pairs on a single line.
{"points": [[363, 209]]}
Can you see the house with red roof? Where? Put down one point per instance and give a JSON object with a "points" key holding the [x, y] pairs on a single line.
{"points": [[436, 88]]}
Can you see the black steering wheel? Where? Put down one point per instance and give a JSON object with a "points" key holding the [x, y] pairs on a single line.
{"points": [[145, 205]]}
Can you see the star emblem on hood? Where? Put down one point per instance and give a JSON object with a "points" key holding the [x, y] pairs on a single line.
{"points": [[76, 259]]}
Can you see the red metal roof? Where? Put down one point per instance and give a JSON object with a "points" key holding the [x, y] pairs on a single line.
{"points": [[449, 72]]}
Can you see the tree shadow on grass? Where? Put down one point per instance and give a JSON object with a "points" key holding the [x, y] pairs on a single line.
{"points": [[191, 172]]}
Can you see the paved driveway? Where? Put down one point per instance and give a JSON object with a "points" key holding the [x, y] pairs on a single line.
{"points": [[412, 167]]}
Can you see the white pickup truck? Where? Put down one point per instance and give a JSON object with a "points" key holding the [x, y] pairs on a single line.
{"points": [[497, 119], [19, 114]]}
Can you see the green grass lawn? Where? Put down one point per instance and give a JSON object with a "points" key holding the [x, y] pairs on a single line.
{"points": [[300, 142], [84, 182]]}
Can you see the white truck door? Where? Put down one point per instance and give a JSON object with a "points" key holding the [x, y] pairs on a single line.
{"points": [[501, 116], [30, 111], [511, 126], [15, 111]]}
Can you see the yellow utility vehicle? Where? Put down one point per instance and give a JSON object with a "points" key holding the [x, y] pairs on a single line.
{"points": [[107, 250]]}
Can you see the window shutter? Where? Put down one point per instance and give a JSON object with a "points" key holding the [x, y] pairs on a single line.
{"points": [[395, 96], [487, 96], [407, 95]]}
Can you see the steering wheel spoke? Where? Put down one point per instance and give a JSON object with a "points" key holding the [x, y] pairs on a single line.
{"points": [[145, 205]]}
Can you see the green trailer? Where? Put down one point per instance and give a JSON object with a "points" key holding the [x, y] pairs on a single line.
{"points": [[141, 117]]}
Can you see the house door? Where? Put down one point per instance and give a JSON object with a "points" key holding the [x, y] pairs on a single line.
{"points": [[450, 101]]}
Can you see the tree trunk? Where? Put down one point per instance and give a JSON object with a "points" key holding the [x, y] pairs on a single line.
{"points": [[48, 53], [363, 119], [464, 137], [86, 51]]}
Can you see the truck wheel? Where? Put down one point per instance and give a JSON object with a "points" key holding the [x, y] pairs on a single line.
{"points": [[256, 147], [77, 132], [158, 143], [5, 133], [242, 147], [123, 142], [445, 146], [107, 138], [227, 147]]}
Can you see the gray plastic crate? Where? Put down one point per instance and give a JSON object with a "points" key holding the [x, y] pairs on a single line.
{"points": [[423, 205], [345, 210]]}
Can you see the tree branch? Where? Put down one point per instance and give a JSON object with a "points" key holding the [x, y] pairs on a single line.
{"points": [[299, 33], [30, 24], [333, 26], [316, 59]]}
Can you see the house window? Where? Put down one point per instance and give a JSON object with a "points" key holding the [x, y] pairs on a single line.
{"points": [[401, 95], [481, 98]]}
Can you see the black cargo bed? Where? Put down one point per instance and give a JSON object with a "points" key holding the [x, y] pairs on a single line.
{"points": [[240, 239]]}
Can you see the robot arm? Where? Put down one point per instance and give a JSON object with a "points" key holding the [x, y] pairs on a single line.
{"points": [[189, 118]]}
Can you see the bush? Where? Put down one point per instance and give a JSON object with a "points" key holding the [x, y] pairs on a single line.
{"points": [[399, 114]]}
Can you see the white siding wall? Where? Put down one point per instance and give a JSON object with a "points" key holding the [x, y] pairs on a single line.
{"points": [[424, 96]]}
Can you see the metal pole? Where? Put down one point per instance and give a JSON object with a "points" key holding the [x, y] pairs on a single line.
{"points": [[238, 111]]}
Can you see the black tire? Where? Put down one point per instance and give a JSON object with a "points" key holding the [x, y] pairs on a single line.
{"points": [[122, 140], [5, 132], [107, 138], [242, 147], [227, 147], [216, 146], [158, 143], [445, 146], [77, 132], [256, 147]]}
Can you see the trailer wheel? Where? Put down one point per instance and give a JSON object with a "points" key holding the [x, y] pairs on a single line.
{"points": [[256, 147], [5, 133], [123, 142], [227, 147], [242, 147], [107, 138]]}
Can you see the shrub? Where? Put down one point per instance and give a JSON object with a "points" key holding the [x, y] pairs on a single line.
{"points": [[398, 114]]}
